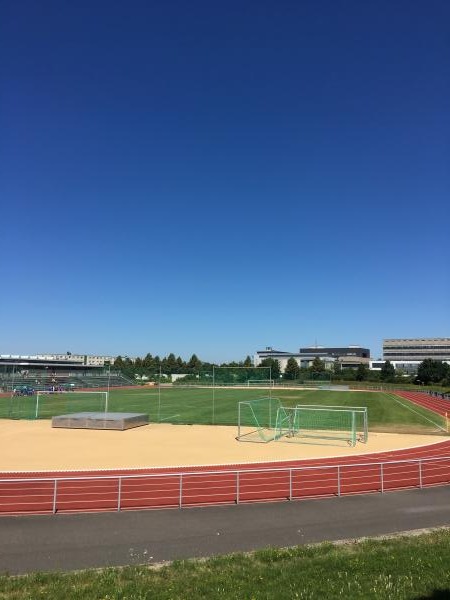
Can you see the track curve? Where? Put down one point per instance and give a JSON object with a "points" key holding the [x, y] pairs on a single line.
{"points": [[237, 483]]}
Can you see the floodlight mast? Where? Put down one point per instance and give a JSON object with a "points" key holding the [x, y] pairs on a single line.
{"points": [[109, 385], [159, 396]]}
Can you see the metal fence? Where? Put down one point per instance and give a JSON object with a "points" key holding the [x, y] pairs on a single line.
{"points": [[183, 489]]}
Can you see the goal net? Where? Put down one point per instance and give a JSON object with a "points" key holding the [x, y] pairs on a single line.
{"points": [[260, 383], [360, 415], [257, 419], [50, 404], [317, 379], [241, 376], [322, 422]]}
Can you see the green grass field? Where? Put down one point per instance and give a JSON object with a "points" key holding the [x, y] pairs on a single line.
{"points": [[191, 405], [406, 568]]}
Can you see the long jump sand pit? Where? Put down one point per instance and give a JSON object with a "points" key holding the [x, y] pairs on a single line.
{"points": [[35, 446]]}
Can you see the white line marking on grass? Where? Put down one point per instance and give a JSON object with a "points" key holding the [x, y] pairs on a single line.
{"points": [[171, 417], [393, 397], [141, 393]]}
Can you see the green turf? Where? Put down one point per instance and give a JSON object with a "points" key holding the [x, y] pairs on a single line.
{"points": [[24, 407], [196, 405]]}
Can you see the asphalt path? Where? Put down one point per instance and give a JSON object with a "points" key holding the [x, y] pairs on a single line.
{"points": [[78, 541]]}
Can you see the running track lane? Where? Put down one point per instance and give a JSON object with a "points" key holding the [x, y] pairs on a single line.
{"points": [[437, 405], [98, 490]]}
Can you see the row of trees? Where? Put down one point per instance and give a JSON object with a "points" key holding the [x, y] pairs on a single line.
{"points": [[150, 366], [429, 371], [433, 371]]}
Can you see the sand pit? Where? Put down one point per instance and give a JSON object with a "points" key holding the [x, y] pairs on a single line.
{"points": [[35, 446]]}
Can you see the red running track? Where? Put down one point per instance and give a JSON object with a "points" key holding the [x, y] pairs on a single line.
{"points": [[158, 487], [437, 405]]}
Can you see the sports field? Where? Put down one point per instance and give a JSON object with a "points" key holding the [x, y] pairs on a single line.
{"points": [[182, 452], [201, 405]]}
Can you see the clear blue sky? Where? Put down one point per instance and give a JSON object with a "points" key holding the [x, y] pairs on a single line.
{"points": [[217, 177]]}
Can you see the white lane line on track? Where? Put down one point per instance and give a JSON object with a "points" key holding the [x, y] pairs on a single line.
{"points": [[393, 397]]}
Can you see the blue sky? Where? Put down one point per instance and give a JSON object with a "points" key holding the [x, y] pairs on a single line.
{"points": [[217, 177]]}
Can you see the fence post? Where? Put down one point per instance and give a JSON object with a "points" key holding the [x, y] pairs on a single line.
{"points": [[119, 494], [420, 474], [339, 480], [237, 487], [180, 499], [382, 477], [290, 484], [55, 492]]}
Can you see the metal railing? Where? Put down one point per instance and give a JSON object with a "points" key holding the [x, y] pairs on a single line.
{"points": [[190, 488]]}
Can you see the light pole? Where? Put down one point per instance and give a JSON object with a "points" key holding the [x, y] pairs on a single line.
{"points": [[159, 395], [109, 385], [213, 395]]}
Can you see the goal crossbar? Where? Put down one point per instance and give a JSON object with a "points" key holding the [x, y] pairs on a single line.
{"points": [[260, 382], [361, 417], [331, 423]]}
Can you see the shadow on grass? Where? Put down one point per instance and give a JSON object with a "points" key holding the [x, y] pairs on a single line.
{"points": [[436, 595]]}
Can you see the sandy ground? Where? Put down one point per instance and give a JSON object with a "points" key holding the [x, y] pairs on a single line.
{"points": [[35, 446]]}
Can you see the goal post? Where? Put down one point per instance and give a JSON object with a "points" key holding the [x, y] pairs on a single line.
{"points": [[241, 376], [361, 417], [50, 404], [257, 419], [260, 383], [319, 380], [322, 422]]}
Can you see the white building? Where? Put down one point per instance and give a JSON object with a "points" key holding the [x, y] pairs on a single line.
{"points": [[303, 360], [61, 359], [406, 354]]}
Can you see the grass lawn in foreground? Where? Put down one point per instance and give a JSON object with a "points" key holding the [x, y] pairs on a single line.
{"points": [[403, 568], [204, 405]]}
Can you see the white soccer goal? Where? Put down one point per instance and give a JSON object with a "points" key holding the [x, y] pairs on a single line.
{"points": [[322, 422], [260, 382], [360, 414], [257, 419], [50, 404]]}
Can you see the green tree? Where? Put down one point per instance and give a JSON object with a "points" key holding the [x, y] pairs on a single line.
{"points": [[348, 374], [274, 365], [194, 363], [361, 373], [169, 364], [337, 369], [387, 372], [292, 370], [374, 375], [432, 371], [248, 362], [318, 366], [126, 366], [148, 362]]}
